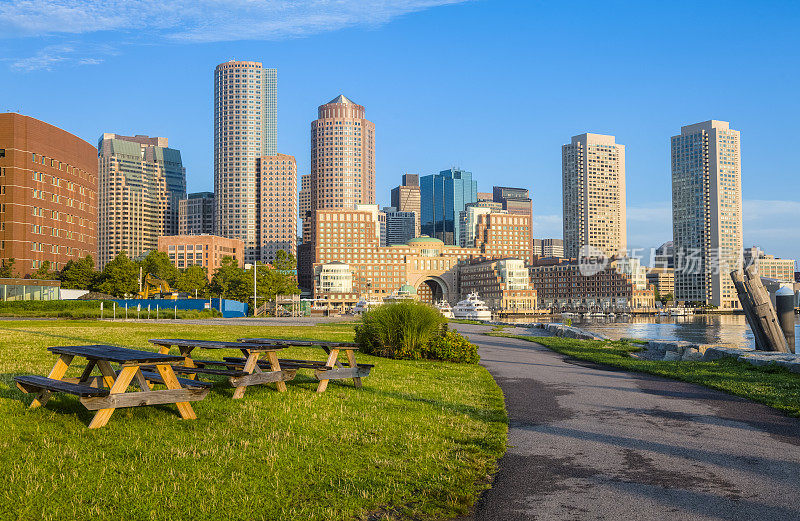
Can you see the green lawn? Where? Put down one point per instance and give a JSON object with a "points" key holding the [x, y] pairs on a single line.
{"points": [[774, 386], [417, 442]]}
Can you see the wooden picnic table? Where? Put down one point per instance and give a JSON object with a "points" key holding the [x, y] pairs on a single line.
{"points": [[107, 392], [252, 371], [331, 369]]}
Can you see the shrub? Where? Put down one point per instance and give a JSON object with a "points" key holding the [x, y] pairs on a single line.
{"points": [[452, 347], [399, 330]]}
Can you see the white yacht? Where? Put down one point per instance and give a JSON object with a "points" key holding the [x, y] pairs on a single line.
{"points": [[472, 308], [444, 308]]}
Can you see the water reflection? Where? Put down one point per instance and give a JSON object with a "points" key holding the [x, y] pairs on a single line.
{"points": [[702, 329]]}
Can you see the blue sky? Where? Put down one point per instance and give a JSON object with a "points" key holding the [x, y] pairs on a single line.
{"points": [[492, 86]]}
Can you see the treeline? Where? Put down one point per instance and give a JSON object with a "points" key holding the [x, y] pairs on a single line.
{"points": [[120, 277]]}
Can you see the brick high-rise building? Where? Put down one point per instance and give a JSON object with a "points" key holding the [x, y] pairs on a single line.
{"points": [[48, 194], [593, 176], [245, 128], [515, 201], [706, 213], [406, 198], [196, 214], [141, 182], [276, 225]]}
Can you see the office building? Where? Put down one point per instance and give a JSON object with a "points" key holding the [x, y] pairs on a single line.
{"points": [[400, 226], [664, 256], [468, 227], [593, 179], [141, 182], [548, 247], [706, 213], [342, 156], [196, 214], [444, 196], [516, 201], [201, 250], [245, 129], [663, 279], [769, 266], [503, 284], [48, 195], [485, 196], [276, 218], [406, 198]]}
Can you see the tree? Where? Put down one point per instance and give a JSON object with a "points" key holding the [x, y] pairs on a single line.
{"points": [[44, 272], [120, 277], [193, 278], [284, 261], [157, 263], [7, 269], [272, 282], [230, 281], [79, 274]]}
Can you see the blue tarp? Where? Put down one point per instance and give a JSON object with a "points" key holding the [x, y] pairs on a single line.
{"points": [[229, 309]]}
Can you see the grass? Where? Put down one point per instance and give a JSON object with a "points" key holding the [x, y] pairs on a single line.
{"points": [[87, 309], [774, 386], [418, 441]]}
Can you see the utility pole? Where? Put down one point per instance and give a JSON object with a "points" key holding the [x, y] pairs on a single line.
{"points": [[255, 272]]}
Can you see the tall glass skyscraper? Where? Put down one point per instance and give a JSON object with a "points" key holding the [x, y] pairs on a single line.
{"points": [[245, 128], [443, 197]]}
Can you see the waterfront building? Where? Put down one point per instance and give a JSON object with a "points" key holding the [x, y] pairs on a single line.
{"points": [[632, 267], [706, 213], [663, 279], [333, 278], [196, 214], [516, 201], [48, 194], [768, 265], [406, 198], [141, 184], [201, 250], [503, 284], [444, 197], [401, 226], [276, 216], [593, 179], [469, 222], [561, 286], [352, 237], [548, 247], [245, 129]]}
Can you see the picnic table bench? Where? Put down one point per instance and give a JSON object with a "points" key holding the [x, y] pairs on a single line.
{"points": [[106, 392], [251, 371], [331, 369]]}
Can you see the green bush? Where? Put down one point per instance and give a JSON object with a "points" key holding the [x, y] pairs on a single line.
{"points": [[452, 347], [399, 330]]}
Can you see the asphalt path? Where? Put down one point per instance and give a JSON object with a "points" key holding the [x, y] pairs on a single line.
{"points": [[592, 442]]}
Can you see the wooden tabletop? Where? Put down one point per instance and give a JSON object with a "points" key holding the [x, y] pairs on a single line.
{"points": [[120, 355], [289, 342], [212, 344]]}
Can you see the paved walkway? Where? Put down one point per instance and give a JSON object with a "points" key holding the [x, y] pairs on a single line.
{"points": [[588, 442]]}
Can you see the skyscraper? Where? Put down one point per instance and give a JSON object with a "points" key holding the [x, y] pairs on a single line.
{"points": [[276, 218], [593, 179], [141, 182], [406, 198], [706, 212], [400, 226], [342, 156], [245, 128], [196, 214], [444, 196]]}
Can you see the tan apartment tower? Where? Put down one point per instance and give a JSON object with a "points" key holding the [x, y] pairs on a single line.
{"points": [[276, 226], [406, 198], [245, 128], [593, 180], [706, 212], [141, 184], [48, 195]]}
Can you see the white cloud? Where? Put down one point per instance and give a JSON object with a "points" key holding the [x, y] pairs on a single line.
{"points": [[201, 20], [50, 56]]}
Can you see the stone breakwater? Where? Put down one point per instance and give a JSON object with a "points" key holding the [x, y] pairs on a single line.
{"points": [[565, 331], [687, 351]]}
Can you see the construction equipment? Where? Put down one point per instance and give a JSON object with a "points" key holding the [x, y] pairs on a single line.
{"points": [[157, 288]]}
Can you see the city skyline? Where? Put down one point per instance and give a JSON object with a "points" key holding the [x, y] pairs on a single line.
{"points": [[186, 112]]}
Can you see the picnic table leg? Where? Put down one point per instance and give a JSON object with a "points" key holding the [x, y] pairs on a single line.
{"points": [[143, 383], [57, 373], [351, 360], [272, 356], [186, 353], [171, 381], [120, 385], [333, 359], [87, 371], [109, 375], [249, 367]]}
